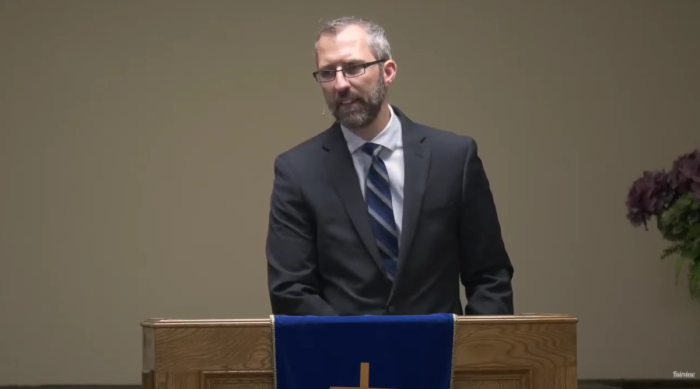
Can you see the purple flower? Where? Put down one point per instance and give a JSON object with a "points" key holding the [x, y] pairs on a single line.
{"points": [[685, 174], [649, 196]]}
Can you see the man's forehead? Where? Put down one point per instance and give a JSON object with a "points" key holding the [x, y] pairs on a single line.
{"points": [[351, 42]]}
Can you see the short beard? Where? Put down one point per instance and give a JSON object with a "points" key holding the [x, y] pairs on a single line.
{"points": [[363, 115]]}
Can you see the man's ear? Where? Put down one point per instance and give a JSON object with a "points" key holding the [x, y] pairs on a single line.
{"points": [[389, 70]]}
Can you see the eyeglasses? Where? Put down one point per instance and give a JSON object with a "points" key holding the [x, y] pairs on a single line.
{"points": [[349, 71]]}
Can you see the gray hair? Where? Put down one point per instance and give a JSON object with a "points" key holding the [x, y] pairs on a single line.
{"points": [[378, 43]]}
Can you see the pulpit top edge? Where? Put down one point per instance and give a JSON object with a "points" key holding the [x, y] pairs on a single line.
{"points": [[161, 322], [260, 322]]}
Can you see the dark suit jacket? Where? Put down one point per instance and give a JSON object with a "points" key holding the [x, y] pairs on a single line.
{"points": [[321, 253]]}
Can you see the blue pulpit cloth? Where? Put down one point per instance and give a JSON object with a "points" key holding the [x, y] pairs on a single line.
{"points": [[378, 352]]}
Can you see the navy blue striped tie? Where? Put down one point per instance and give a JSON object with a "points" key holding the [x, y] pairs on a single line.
{"points": [[378, 197]]}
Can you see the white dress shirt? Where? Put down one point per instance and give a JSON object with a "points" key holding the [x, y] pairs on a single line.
{"points": [[392, 155]]}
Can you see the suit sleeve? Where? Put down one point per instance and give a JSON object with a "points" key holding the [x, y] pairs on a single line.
{"points": [[291, 250], [486, 269]]}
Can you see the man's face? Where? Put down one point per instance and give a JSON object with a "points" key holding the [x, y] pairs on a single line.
{"points": [[354, 101]]}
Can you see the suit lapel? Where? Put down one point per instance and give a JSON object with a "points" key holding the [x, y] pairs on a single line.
{"points": [[341, 172], [416, 167]]}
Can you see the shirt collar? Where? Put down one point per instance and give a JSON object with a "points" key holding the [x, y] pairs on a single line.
{"points": [[390, 136]]}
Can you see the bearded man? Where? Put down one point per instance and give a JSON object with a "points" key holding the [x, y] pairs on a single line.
{"points": [[378, 214]]}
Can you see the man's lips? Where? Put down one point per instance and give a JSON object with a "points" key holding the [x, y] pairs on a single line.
{"points": [[347, 101]]}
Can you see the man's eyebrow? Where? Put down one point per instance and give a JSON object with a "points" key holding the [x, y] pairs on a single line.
{"points": [[349, 62]]}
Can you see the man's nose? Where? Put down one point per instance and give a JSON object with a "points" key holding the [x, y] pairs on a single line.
{"points": [[341, 83]]}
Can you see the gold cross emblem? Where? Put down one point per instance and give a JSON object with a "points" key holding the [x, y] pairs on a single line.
{"points": [[364, 379]]}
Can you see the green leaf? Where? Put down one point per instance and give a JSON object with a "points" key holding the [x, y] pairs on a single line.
{"points": [[693, 218], [680, 224], [693, 232], [679, 267], [675, 249], [678, 229], [686, 201], [691, 250], [694, 279], [666, 218]]}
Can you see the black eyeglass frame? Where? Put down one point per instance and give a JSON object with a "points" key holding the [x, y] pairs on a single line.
{"points": [[364, 67]]}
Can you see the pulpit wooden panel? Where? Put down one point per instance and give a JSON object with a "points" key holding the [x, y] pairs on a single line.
{"points": [[499, 352]]}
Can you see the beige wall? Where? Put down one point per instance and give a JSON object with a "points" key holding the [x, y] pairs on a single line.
{"points": [[138, 138]]}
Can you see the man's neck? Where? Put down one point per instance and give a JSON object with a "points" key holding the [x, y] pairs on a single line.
{"points": [[373, 129]]}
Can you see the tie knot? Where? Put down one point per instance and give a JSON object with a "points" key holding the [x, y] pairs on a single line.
{"points": [[372, 149]]}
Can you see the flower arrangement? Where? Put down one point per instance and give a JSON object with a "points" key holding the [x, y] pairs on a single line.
{"points": [[673, 199]]}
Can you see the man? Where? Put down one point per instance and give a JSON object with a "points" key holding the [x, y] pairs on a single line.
{"points": [[379, 214]]}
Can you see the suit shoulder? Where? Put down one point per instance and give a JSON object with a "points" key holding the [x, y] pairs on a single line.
{"points": [[303, 151]]}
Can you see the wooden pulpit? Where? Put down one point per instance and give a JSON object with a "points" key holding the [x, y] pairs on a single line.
{"points": [[534, 351]]}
